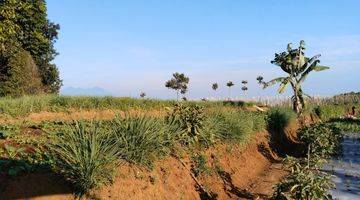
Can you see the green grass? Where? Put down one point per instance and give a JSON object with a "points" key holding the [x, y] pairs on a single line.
{"points": [[278, 118], [141, 139], [22, 106], [86, 155]]}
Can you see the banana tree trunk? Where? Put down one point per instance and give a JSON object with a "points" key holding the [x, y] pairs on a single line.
{"points": [[297, 103]]}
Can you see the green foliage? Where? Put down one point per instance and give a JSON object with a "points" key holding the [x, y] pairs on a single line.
{"points": [[278, 118], [20, 76], [141, 139], [237, 126], [327, 112], [297, 66], [86, 155], [199, 166], [346, 125], [322, 139], [179, 83], [187, 121], [306, 181], [24, 25], [214, 86]]}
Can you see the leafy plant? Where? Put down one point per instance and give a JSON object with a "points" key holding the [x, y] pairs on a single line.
{"points": [[141, 139], [324, 139], [187, 121], [298, 67], [306, 181], [86, 155], [199, 166]]}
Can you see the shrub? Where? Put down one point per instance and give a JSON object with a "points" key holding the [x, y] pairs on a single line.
{"points": [[20, 76], [141, 139], [306, 181], [321, 139], [85, 155], [279, 118], [187, 122]]}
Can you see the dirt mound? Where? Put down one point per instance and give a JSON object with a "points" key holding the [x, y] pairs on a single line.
{"points": [[238, 173]]}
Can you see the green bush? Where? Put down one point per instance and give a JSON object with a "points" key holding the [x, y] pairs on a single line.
{"points": [[279, 118], [187, 122], [86, 155], [321, 139], [141, 139], [306, 181], [20, 75]]}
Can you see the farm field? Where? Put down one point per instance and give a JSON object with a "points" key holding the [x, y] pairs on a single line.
{"points": [[157, 149], [179, 100]]}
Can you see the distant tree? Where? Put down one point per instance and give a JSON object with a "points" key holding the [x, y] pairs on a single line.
{"points": [[142, 94], [260, 79], [230, 84], [24, 26], [215, 86], [179, 83], [297, 66], [244, 82], [244, 88]]}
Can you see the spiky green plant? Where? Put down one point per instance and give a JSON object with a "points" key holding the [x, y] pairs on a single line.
{"points": [[297, 66], [141, 139], [86, 155]]}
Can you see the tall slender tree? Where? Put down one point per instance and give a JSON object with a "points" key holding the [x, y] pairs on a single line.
{"points": [[297, 66], [215, 86], [230, 84]]}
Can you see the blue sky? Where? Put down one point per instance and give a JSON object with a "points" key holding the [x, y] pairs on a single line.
{"points": [[129, 46]]}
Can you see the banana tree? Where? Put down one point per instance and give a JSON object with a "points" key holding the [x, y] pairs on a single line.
{"points": [[297, 66]]}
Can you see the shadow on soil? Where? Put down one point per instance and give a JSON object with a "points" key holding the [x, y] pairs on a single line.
{"points": [[22, 180]]}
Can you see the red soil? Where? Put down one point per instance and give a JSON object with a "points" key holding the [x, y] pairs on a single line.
{"points": [[246, 173]]}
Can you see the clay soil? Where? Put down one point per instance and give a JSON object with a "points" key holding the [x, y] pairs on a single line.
{"points": [[238, 172]]}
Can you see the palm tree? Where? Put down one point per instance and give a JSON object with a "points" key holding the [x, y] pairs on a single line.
{"points": [[214, 86], [297, 66], [230, 84]]}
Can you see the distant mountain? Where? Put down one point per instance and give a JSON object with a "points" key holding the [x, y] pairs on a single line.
{"points": [[77, 91]]}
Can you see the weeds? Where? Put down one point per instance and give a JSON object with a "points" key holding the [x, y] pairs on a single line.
{"points": [[323, 138], [85, 155], [279, 118], [306, 181], [141, 139]]}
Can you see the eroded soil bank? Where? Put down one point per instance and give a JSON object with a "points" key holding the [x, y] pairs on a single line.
{"points": [[235, 172]]}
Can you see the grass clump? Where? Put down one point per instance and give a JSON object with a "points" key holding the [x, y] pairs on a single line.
{"points": [[141, 139], [86, 155], [278, 118]]}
